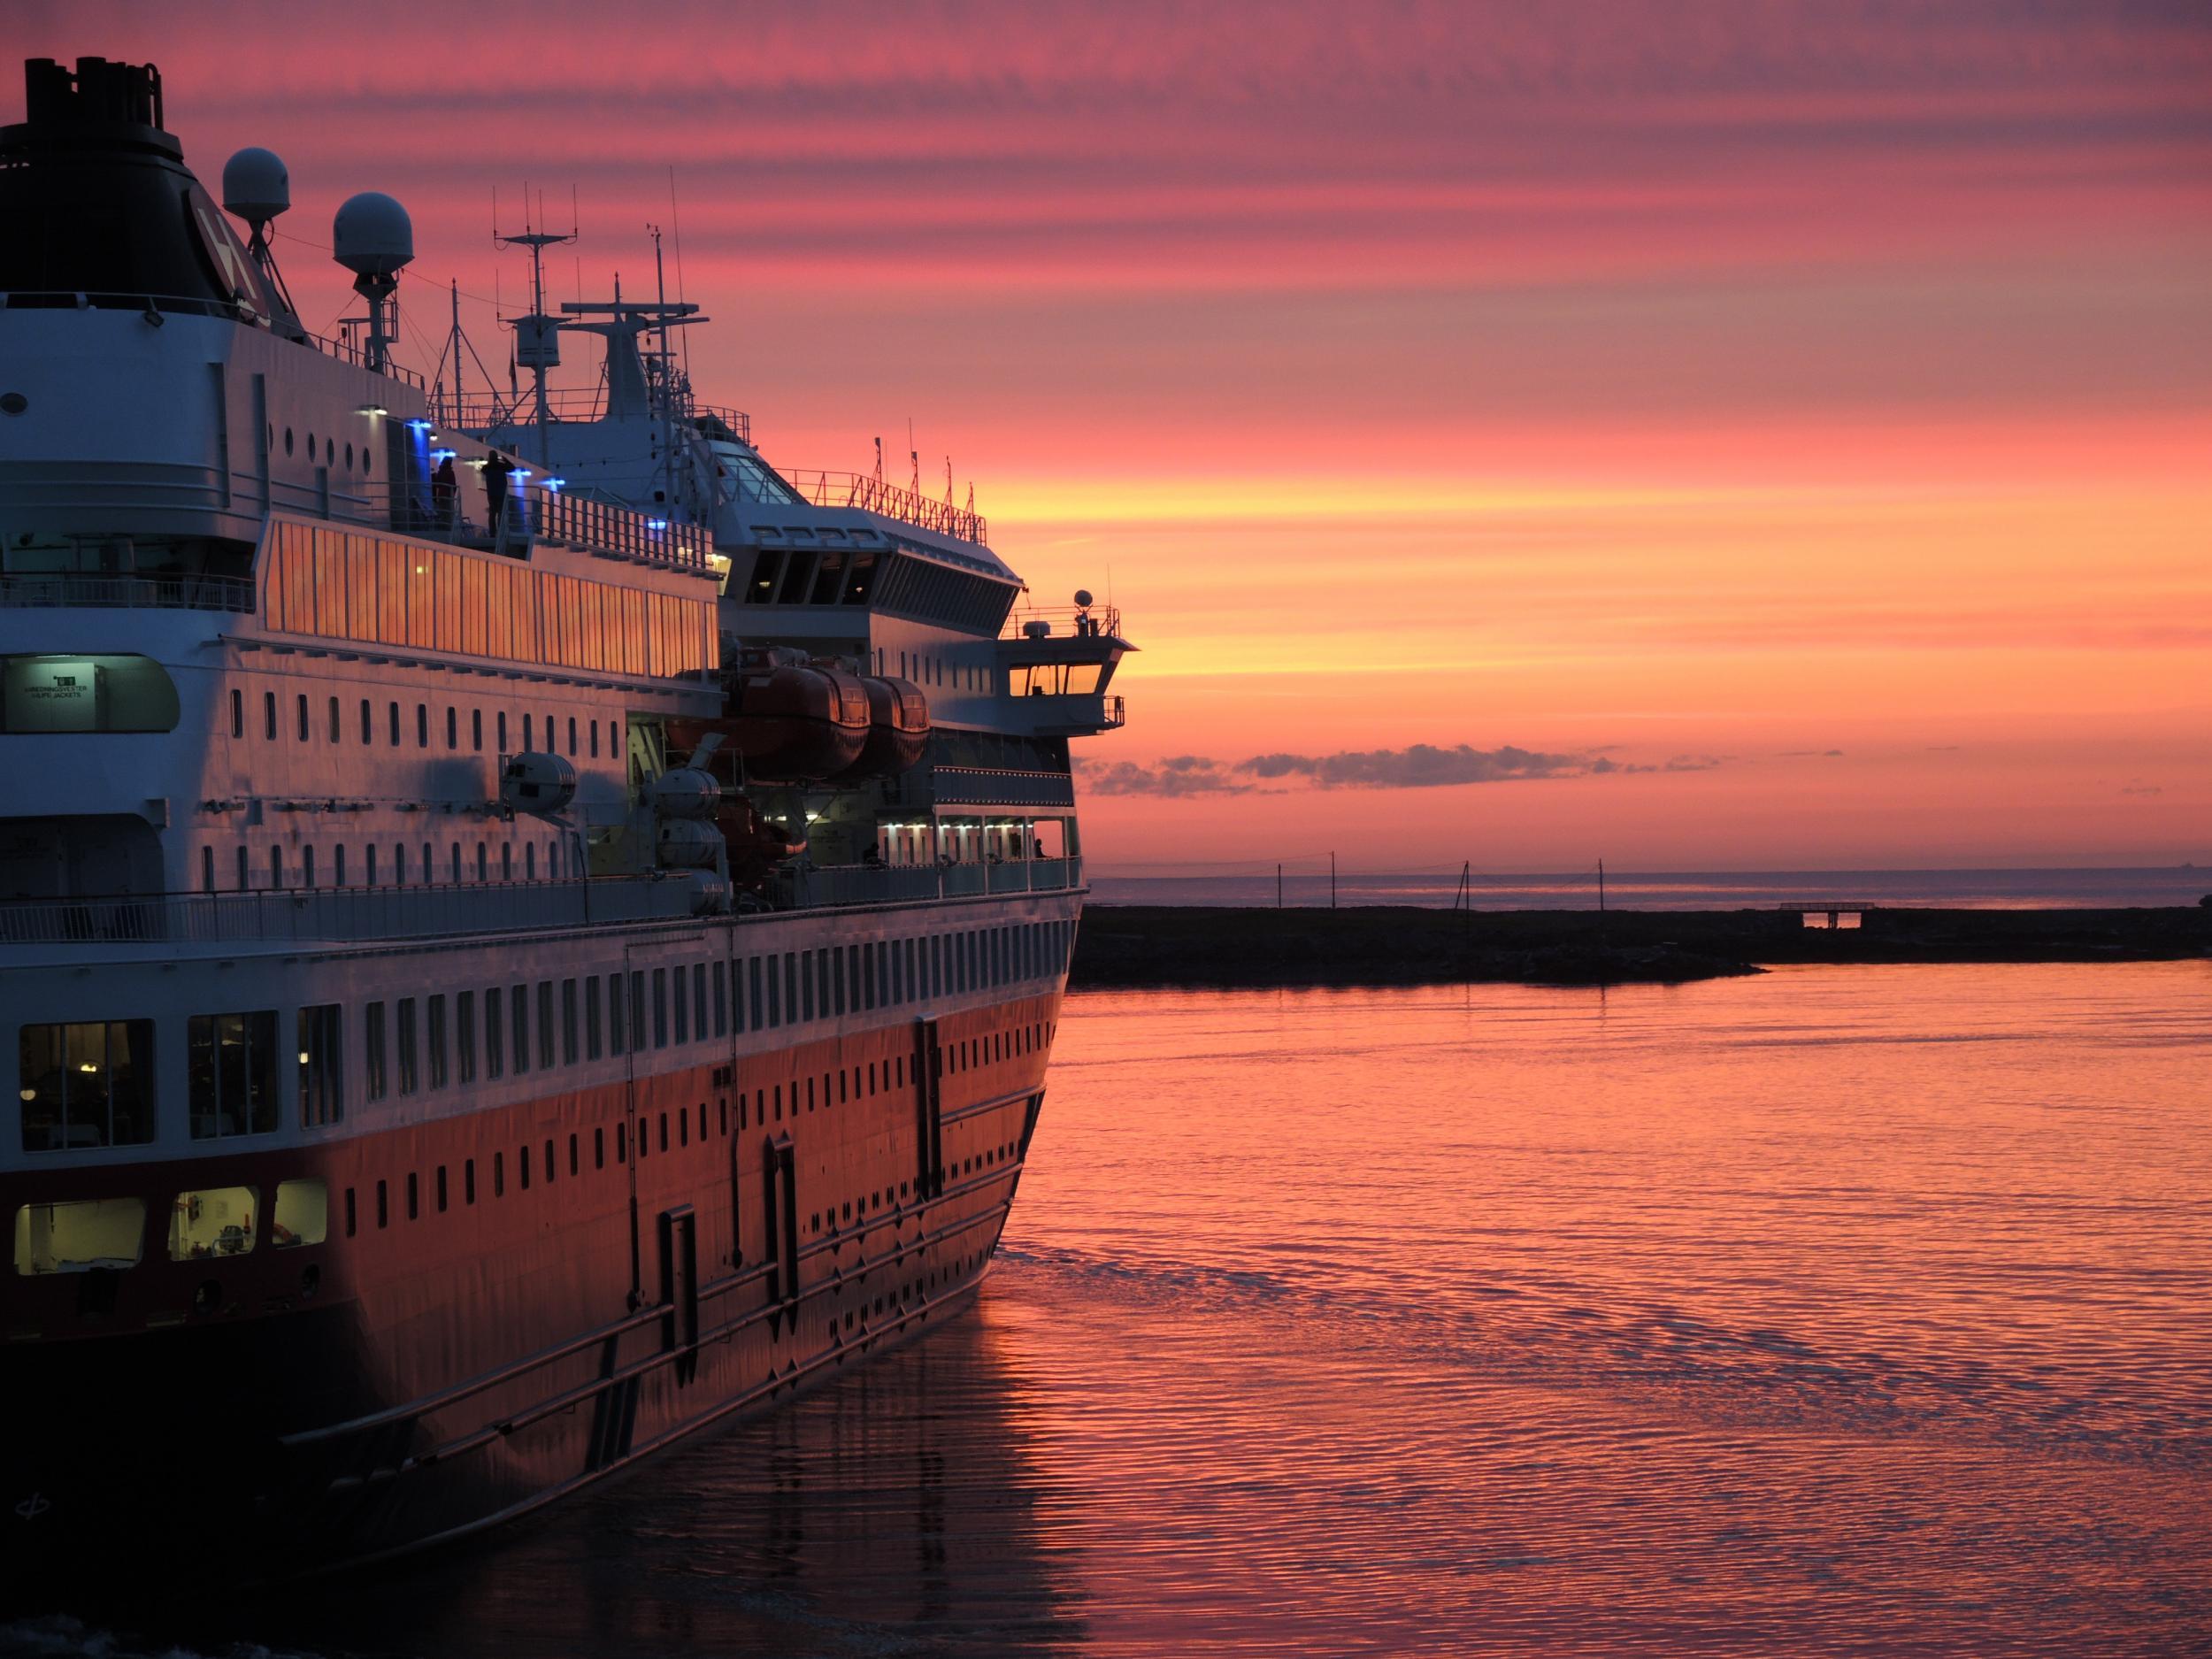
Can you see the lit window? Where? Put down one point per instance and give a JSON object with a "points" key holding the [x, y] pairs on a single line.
{"points": [[87, 1085], [216, 1222], [80, 1236], [231, 1074], [321, 1101], [302, 1215]]}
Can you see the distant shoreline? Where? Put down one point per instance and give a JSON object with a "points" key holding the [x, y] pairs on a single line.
{"points": [[1129, 945]]}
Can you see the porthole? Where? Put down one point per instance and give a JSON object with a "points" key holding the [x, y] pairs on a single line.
{"points": [[310, 446], [330, 451], [13, 403], [349, 457], [287, 441]]}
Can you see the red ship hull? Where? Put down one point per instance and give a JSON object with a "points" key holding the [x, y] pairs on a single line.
{"points": [[469, 1341]]}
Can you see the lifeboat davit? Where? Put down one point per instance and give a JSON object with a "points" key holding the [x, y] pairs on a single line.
{"points": [[789, 720], [898, 727], [755, 845]]}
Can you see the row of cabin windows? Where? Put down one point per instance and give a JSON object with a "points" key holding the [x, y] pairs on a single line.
{"points": [[768, 1105], [857, 1209], [77, 1236], [305, 869], [935, 672], [581, 734], [90, 1083], [405, 1042], [895, 1301], [80, 1235], [330, 449]]}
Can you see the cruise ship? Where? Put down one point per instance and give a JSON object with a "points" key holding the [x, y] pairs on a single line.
{"points": [[525, 930]]}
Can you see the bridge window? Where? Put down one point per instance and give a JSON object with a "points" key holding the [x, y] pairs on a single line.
{"points": [[231, 1075], [302, 1213], [86, 1085], [218, 1221], [79, 1236]]}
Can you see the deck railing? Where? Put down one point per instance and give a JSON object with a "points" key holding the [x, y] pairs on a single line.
{"points": [[847, 885], [871, 493], [140, 593], [370, 915], [600, 526], [479, 412], [156, 305], [1069, 622], [344, 915]]}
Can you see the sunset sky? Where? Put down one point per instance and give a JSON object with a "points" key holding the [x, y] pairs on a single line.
{"points": [[1765, 434]]}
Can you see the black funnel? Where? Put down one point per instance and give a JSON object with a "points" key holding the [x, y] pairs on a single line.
{"points": [[98, 203]]}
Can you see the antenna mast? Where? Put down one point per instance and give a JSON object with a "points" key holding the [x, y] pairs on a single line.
{"points": [[537, 335], [453, 418], [668, 382]]}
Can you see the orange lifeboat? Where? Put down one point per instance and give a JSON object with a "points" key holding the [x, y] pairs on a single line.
{"points": [[898, 727], [789, 720]]}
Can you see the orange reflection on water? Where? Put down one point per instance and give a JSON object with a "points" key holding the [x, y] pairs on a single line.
{"points": [[1840, 1309]]}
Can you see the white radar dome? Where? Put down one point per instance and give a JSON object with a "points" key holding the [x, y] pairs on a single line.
{"points": [[256, 185], [373, 236]]}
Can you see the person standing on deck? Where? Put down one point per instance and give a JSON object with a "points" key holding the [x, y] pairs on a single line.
{"points": [[443, 487], [497, 469]]}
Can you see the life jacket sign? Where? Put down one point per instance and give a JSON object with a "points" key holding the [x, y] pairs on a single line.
{"points": [[228, 265]]}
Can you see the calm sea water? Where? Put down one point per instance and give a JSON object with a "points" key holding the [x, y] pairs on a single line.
{"points": [[1841, 1311], [1306, 882]]}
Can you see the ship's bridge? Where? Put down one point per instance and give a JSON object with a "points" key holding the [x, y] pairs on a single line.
{"points": [[1055, 666]]}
